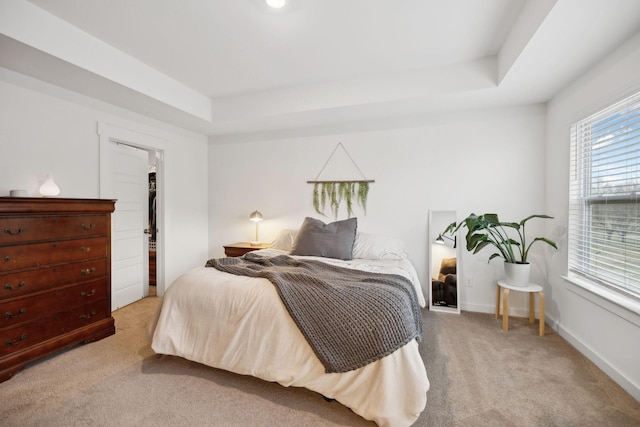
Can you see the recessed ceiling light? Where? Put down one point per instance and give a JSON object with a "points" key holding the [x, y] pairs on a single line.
{"points": [[276, 4]]}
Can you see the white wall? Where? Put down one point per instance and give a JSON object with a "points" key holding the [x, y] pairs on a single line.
{"points": [[606, 333], [491, 160], [42, 133]]}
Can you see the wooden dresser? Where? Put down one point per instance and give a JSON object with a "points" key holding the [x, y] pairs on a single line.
{"points": [[55, 276]]}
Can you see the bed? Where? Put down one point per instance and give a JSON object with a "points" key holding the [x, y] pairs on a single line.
{"points": [[241, 324]]}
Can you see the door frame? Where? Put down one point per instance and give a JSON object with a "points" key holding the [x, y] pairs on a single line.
{"points": [[108, 133]]}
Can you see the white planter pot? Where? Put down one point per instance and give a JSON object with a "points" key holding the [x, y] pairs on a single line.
{"points": [[517, 274]]}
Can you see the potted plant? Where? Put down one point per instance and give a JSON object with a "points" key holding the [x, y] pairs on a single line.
{"points": [[487, 230]]}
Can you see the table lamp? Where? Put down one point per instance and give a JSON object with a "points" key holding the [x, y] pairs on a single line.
{"points": [[256, 217]]}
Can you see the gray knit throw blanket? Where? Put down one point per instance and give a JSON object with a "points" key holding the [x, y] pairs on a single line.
{"points": [[349, 317]]}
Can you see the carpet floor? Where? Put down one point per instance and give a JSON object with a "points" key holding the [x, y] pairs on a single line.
{"points": [[480, 376]]}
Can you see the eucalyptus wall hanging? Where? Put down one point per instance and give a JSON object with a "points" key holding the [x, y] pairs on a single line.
{"points": [[332, 192]]}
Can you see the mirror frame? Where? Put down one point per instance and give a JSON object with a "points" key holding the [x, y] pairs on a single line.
{"points": [[438, 221]]}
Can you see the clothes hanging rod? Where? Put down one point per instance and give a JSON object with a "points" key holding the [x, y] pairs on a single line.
{"points": [[340, 181]]}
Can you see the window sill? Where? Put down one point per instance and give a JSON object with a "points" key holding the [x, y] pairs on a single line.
{"points": [[609, 300]]}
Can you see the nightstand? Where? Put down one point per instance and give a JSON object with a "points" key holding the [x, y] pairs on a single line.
{"points": [[241, 248]]}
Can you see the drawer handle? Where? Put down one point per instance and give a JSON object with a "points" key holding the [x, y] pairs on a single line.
{"points": [[10, 315], [18, 341], [88, 271], [11, 288], [7, 258], [88, 227], [88, 316], [85, 249], [13, 233], [90, 294]]}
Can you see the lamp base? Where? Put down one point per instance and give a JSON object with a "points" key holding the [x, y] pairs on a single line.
{"points": [[255, 243]]}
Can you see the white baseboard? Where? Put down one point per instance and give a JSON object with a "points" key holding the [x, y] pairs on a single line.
{"points": [[621, 380]]}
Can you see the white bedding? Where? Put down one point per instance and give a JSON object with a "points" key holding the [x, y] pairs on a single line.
{"points": [[239, 324]]}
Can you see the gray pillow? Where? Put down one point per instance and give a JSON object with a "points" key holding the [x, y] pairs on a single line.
{"points": [[334, 240]]}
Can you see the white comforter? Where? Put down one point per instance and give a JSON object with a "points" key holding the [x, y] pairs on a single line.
{"points": [[239, 324]]}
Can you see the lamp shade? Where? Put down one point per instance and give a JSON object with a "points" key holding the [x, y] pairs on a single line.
{"points": [[440, 240], [276, 4], [255, 216]]}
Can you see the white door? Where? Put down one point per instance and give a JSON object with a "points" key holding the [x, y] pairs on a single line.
{"points": [[130, 245]]}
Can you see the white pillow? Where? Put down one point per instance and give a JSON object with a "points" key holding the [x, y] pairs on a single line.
{"points": [[285, 239], [376, 246]]}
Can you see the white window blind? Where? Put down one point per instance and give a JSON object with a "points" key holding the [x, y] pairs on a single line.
{"points": [[604, 205]]}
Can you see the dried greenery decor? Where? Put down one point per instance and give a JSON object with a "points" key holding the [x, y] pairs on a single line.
{"points": [[334, 192]]}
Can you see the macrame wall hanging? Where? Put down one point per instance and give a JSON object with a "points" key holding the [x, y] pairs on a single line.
{"points": [[333, 192]]}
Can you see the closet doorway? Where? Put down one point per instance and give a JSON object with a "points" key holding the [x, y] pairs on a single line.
{"points": [[152, 228], [127, 162]]}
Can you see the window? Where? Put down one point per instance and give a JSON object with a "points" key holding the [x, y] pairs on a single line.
{"points": [[604, 205]]}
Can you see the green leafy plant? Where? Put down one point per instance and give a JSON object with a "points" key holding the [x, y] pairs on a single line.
{"points": [[487, 230], [363, 192], [335, 192]]}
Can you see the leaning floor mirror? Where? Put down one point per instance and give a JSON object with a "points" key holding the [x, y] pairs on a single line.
{"points": [[443, 263]]}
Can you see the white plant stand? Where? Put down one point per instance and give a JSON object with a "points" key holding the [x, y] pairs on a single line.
{"points": [[503, 289]]}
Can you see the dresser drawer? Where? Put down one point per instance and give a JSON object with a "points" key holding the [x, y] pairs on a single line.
{"points": [[23, 336], [35, 332], [82, 316], [20, 310], [45, 254], [38, 228], [41, 279]]}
